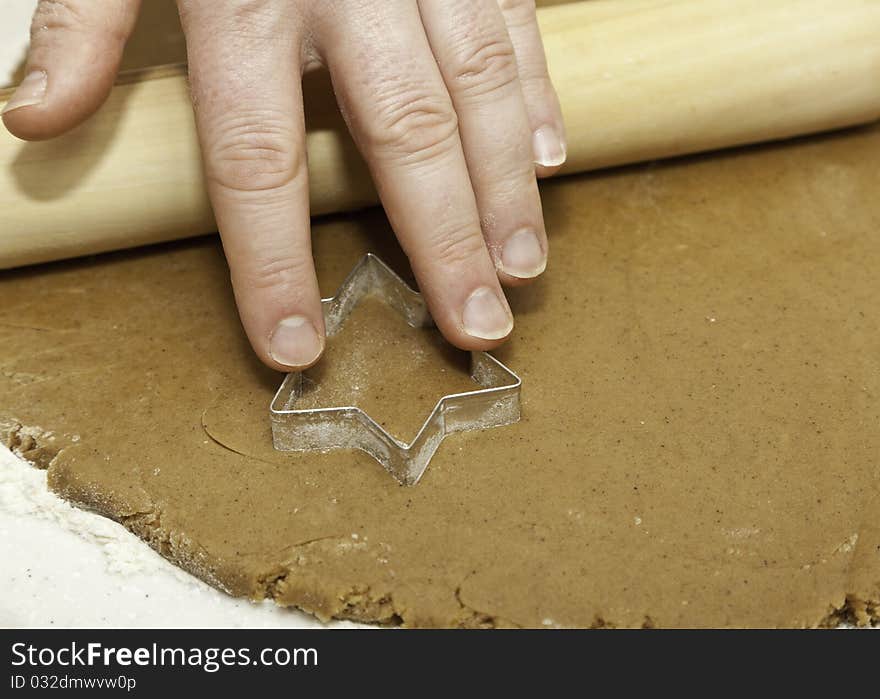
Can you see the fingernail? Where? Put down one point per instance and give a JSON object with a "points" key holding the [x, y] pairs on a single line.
{"points": [[30, 92], [295, 342], [522, 255], [485, 316], [548, 146]]}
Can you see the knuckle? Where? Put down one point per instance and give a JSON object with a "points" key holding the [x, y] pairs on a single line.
{"points": [[251, 152], [412, 123], [484, 65], [280, 273], [456, 248], [516, 186]]}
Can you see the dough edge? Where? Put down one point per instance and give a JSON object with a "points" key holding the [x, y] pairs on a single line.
{"points": [[289, 584]]}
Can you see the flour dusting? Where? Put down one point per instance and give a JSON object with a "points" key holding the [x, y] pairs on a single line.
{"points": [[23, 492], [99, 573]]}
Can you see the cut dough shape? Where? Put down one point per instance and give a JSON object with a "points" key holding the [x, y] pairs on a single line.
{"points": [[391, 371], [699, 441]]}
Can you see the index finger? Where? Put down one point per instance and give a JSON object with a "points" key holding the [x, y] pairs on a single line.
{"points": [[252, 130]]}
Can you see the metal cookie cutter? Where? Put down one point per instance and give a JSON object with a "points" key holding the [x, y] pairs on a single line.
{"points": [[495, 403]]}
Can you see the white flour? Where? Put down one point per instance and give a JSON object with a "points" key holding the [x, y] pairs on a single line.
{"points": [[23, 493]]}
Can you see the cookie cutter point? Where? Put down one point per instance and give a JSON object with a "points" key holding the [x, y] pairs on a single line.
{"points": [[495, 403]]}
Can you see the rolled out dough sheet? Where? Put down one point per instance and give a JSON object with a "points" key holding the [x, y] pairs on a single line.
{"points": [[699, 443], [99, 573]]}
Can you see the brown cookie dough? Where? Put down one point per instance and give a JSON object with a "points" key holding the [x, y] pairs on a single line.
{"points": [[394, 373], [699, 441]]}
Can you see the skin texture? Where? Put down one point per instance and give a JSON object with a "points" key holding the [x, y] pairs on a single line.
{"points": [[449, 101]]}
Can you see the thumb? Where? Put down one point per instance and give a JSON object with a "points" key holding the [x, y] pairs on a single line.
{"points": [[76, 47]]}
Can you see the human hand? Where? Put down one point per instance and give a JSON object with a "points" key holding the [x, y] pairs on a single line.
{"points": [[449, 101]]}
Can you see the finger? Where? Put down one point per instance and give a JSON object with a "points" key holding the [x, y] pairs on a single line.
{"points": [[542, 102], [403, 121], [76, 47], [475, 55], [246, 83]]}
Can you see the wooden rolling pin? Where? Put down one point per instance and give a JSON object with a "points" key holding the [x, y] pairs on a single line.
{"points": [[638, 80]]}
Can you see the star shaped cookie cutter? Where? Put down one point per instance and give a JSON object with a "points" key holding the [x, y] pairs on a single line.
{"points": [[494, 404]]}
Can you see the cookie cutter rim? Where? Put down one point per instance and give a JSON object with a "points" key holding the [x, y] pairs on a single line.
{"points": [[494, 404]]}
